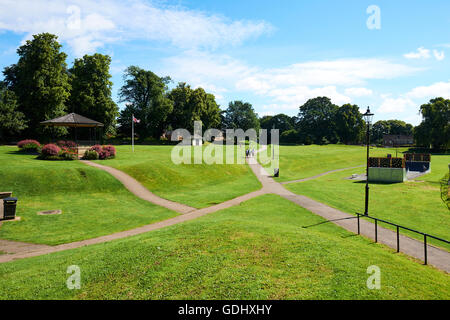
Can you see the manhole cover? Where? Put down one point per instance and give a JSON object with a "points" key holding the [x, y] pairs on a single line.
{"points": [[48, 212]]}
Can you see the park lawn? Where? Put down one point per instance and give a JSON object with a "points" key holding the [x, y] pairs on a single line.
{"points": [[266, 248], [196, 185], [93, 202], [415, 204], [297, 162]]}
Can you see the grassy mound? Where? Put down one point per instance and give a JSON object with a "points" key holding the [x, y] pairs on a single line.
{"points": [[93, 202], [266, 248], [196, 185]]}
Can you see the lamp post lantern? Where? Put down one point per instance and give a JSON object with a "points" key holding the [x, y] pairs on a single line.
{"points": [[368, 119]]}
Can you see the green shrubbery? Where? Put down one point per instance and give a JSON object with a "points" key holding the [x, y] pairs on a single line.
{"points": [[53, 152], [29, 145], [90, 155]]}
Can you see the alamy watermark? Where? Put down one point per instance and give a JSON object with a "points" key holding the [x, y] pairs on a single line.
{"points": [[374, 20], [374, 280], [74, 280]]}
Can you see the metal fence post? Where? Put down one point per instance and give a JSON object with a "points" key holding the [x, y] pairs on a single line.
{"points": [[358, 224], [398, 240], [425, 247], [376, 233]]}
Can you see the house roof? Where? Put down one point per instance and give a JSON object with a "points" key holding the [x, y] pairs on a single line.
{"points": [[72, 120]]}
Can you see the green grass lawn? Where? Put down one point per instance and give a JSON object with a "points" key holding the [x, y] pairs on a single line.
{"points": [[196, 185], [297, 162], [93, 202], [415, 204], [266, 248]]}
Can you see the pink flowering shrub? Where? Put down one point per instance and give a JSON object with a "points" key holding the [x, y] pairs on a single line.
{"points": [[50, 150], [98, 148], [105, 152], [68, 153], [29, 145], [103, 155], [68, 144], [111, 150]]}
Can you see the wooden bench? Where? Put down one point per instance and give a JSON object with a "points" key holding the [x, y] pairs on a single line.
{"points": [[3, 195]]}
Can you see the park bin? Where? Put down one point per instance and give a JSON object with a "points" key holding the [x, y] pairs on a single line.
{"points": [[9, 208], [276, 172]]}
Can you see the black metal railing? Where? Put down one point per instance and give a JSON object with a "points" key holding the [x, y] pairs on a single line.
{"points": [[398, 227]]}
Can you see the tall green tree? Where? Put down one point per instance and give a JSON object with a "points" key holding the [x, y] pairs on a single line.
{"points": [[241, 115], [146, 96], [91, 90], [349, 124], [40, 81], [12, 121], [316, 121], [434, 130], [383, 127], [193, 105]]}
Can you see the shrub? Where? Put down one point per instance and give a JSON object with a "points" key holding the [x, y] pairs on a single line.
{"points": [[68, 153], [111, 150], [103, 155], [60, 143], [29, 145], [50, 150], [70, 144], [91, 155], [98, 148]]}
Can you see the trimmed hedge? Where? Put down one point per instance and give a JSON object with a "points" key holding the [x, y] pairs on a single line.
{"points": [[29, 145]]}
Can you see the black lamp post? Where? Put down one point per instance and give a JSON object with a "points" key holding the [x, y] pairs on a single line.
{"points": [[368, 118]]}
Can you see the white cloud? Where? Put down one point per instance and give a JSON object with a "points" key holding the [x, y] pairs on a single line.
{"points": [[284, 88], [358, 92], [438, 89], [89, 25], [397, 105], [439, 55], [420, 53]]}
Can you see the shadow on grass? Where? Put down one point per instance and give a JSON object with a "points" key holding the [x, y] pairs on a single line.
{"points": [[327, 221], [376, 182]]}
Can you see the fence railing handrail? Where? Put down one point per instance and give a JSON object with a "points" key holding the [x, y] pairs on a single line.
{"points": [[406, 228], [398, 227]]}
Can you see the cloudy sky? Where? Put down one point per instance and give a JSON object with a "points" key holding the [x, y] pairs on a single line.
{"points": [[390, 55]]}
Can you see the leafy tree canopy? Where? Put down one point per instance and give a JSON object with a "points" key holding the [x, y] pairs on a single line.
{"points": [[40, 81], [434, 130], [91, 90], [12, 121], [145, 94], [241, 115]]}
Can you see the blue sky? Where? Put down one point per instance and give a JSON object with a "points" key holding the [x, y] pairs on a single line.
{"points": [[273, 54]]}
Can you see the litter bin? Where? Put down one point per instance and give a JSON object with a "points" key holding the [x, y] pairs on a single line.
{"points": [[9, 208], [276, 172]]}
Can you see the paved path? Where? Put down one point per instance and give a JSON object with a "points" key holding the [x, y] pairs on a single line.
{"points": [[320, 175], [139, 190], [437, 257]]}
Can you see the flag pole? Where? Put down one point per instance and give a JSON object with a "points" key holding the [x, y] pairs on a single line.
{"points": [[132, 132]]}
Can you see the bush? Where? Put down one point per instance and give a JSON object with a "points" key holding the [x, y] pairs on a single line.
{"points": [[97, 148], [90, 155], [68, 153], [111, 150], [104, 154], [50, 152], [29, 145]]}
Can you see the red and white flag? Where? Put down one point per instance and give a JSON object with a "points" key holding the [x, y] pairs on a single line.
{"points": [[136, 120]]}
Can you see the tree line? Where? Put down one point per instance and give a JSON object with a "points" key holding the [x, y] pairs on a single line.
{"points": [[41, 86]]}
